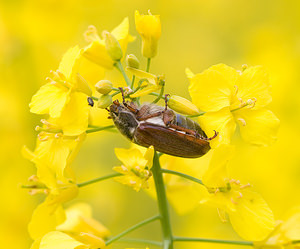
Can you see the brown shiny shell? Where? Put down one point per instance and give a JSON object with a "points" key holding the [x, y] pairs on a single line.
{"points": [[170, 141]]}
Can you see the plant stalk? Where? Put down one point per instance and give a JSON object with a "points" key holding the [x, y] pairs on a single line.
{"points": [[162, 203]]}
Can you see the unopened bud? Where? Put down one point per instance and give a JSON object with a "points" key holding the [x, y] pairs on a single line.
{"points": [[104, 101], [104, 86], [112, 46], [182, 105], [132, 61]]}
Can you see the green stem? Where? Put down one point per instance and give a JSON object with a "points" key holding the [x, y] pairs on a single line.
{"points": [[160, 95], [132, 81], [100, 129], [98, 179], [162, 203], [191, 178], [119, 66], [231, 242], [122, 234], [148, 65], [94, 98], [196, 115], [157, 94], [142, 241]]}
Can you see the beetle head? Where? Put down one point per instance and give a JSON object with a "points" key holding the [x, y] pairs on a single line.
{"points": [[124, 119]]}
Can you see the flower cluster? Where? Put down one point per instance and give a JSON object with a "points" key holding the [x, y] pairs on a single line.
{"points": [[74, 102]]}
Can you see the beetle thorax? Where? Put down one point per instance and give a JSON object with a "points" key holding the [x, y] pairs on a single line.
{"points": [[126, 122]]}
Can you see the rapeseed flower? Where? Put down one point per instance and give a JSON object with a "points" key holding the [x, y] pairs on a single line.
{"points": [[149, 27], [228, 97], [248, 212], [96, 51], [136, 167]]}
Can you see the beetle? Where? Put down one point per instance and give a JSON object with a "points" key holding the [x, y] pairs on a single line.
{"points": [[167, 131]]}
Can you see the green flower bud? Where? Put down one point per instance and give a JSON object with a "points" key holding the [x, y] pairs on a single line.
{"points": [[104, 101], [112, 46], [104, 86], [132, 61], [182, 105]]}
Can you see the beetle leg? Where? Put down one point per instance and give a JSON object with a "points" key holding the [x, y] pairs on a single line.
{"points": [[123, 97], [211, 138], [179, 128], [129, 107], [166, 101]]}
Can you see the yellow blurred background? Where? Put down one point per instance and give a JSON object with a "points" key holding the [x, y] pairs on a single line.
{"points": [[195, 34]]}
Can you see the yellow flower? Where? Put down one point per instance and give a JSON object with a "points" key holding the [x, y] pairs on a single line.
{"points": [[79, 229], [229, 97], [53, 155], [79, 219], [50, 213], [248, 212], [60, 240], [96, 50], [285, 235], [65, 90], [136, 167], [149, 27], [148, 82]]}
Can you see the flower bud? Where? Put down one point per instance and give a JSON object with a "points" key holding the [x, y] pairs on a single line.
{"points": [[182, 105], [104, 101], [112, 46], [104, 86], [149, 27], [132, 61]]}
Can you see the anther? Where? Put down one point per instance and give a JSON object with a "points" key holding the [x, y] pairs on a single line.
{"points": [[37, 128], [248, 185], [243, 121], [236, 89], [244, 67]]}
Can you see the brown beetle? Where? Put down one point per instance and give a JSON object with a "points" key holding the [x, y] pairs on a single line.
{"points": [[168, 132]]}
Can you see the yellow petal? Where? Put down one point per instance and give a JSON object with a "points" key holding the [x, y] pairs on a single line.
{"points": [[149, 27], [212, 89], [69, 64], [53, 153], [45, 218], [59, 240], [291, 225], [217, 174], [258, 127], [253, 219], [149, 156], [50, 99], [79, 219], [74, 118], [121, 32], [145, 91], [96, 52], [254, 83], [221, 121], [131, 157]]}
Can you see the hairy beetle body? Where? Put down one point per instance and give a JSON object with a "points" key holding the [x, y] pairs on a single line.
{"points": [[168, 132]]}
